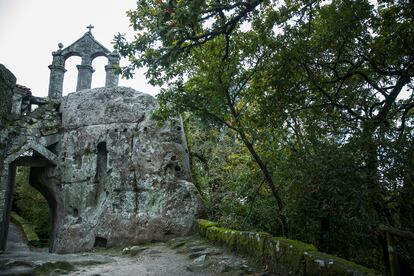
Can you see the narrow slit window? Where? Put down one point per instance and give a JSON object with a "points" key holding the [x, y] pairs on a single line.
{"points": [[102, 161]]}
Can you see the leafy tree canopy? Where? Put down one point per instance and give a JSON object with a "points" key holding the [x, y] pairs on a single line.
{"points": [[319, 95]]}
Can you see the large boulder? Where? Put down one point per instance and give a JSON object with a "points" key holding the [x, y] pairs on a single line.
{"points": [[123, 178]]}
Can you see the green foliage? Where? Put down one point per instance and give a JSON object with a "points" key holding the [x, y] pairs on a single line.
{"points": [[227, 178], [300, 114], [30, 204]]}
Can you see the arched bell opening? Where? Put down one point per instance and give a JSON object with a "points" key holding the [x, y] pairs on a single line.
{"points": [[99, 74], [71, 75]]}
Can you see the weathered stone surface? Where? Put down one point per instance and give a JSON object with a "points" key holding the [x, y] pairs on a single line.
{"points": [[110, 173], [124, 177], [7, 83], [133, 250]]}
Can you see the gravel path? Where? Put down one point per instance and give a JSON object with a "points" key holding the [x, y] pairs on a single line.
{"points": [[157, 260], [178, 257], [15, 240]]}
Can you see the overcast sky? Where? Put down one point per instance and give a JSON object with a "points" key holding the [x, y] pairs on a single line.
{"points": [[31, 29]]}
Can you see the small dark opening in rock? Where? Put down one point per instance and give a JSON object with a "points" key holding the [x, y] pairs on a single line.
{"points": [[102, 161], [149, 160], [116, 130], [178, 128], [125, 130], [78, 161], [177, 168], [145, 128], [168, 232], [144, 150], [53, 148], [173, 158], [100, 242], [75, 212]]}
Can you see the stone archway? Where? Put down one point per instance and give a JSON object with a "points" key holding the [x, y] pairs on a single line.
{"points": [[40, 161]]}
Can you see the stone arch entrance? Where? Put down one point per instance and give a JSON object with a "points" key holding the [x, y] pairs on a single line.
{"points": [[41, 161]]}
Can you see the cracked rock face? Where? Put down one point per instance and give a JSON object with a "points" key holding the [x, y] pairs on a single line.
{"points": [[122, 178]]}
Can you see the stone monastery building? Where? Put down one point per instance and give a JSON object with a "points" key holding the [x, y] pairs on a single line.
{"points": [[110, 173]]}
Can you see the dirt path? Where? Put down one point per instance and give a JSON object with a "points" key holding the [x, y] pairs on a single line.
{"points": [[15, 239], [157, 260], [178, 257]]}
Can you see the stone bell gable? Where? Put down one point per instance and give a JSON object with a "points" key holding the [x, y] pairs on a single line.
{"points": [[88, 49]]}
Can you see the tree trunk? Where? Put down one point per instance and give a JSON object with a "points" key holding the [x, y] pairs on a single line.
{"points": [[370, 151], [268, 179]]}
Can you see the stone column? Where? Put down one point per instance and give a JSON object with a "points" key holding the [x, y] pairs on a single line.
{"points": [[112, 77], [57, 72], [85, 72]]}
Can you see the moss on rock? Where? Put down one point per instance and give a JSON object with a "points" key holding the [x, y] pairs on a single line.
{"points": [[286, 256], [282, 256], [203, 225], [252, 245], [318, 263], [223, 236]]}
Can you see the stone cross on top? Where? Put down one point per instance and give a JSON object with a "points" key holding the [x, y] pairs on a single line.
{"points": [[90, 27], [88, 49]]}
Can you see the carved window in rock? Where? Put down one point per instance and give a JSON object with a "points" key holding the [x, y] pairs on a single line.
{"points": [[101, 162]]}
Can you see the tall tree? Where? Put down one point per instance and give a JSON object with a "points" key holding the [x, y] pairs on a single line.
{"points": [[293, 79]]}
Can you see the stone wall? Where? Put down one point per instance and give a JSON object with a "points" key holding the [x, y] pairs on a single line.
{"points": [[28, 137], [282, 256], [7, 84]]}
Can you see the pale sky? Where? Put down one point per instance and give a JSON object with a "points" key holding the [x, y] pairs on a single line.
{"points": [[31, 29]]}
